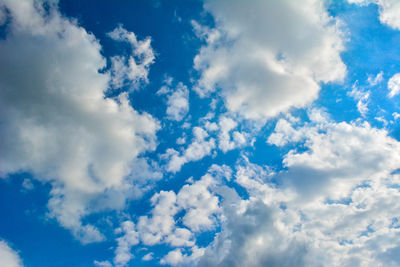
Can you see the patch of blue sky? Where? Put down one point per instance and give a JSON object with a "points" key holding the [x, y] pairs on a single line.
{"points": [[369, 50], [25, 223]]}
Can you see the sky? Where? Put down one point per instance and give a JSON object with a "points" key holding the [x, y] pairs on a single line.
{"points": [[199, 133]]}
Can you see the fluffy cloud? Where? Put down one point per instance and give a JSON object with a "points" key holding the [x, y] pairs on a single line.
{"points": [[178, 101], [394, 84], [177, 258], [135, 69], [197, 207], [335, 202], [201, 146], [338, 157], [55, 121], [227, 142], [130, 238], [9, 257], [199, 203], [268, 56]]}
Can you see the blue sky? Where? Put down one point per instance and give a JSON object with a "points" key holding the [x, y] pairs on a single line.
{"points": [[199, 133]]}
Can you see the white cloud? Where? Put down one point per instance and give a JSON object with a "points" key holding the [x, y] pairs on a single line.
{"points": [[200, 147], [200, 211], [133, 70], [199, 204], [130, 238], [148, 257], [227, 142], [55, 121], [102, 263], [375, 80], [178, 101], [27, 184], [394, 85], [362, 98], [8, 256], [160, 227], [339, 154], [263, 69], [337, 202], [177, 258]]}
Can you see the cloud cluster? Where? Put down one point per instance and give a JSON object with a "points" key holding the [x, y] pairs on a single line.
{"points": [[265, 57], [200, 209], [55, 121]]}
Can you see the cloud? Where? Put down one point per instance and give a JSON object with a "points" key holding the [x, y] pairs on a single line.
{"points": [[339, 154], [148, 257], [197, 207], [389, 11], [8, 256], [254, 238], [56, 122], [135, 69], [178, 101], [102, 263], [201, 146], [227, 142], [199, 203], [177, 258], [394, 85], [130, 238], [268, 56], [362, 98], [335, 201], [375, 80]]}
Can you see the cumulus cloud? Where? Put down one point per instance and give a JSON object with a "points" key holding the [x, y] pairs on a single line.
{"points": [[335, 202], [8, 256], [201, 146], [133, 70], [199, 203], [227, 141], [130, 238], [55, 121], [265, 57], [394, 85], [178, 101], [177, 258], [197, 207], [339, 154]]}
